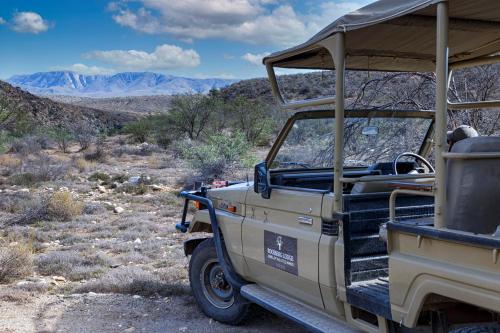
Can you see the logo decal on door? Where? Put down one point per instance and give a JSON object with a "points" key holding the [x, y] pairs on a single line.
{"points": [[280, 252]]}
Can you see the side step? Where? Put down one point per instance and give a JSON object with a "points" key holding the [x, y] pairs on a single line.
{"points": [[309, 318]]}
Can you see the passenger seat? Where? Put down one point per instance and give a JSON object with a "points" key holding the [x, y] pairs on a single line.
{"points": [[473, 187]]}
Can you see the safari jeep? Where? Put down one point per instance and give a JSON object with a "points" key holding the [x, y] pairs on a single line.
{"points": [[348, 226]]}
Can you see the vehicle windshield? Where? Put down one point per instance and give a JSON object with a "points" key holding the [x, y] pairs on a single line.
{"points": [[310, 142]]}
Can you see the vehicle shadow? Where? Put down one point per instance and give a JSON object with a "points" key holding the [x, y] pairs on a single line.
{"points": [[106, 313]]}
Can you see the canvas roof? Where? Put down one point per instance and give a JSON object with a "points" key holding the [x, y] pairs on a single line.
{"points": [[400, 35]]}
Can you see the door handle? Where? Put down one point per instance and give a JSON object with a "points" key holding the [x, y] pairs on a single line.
{"points": [[305, 220]]}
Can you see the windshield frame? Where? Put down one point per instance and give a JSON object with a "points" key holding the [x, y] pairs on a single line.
{"points": [[327, 114]]}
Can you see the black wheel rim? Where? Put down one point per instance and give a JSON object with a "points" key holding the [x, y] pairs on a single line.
{"points": [[214, 285]]}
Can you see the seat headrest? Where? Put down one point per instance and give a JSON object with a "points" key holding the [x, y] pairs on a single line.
{"points": [[482, 144]]}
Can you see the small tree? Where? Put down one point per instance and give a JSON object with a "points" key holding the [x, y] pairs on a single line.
{"points": [[191, 114], [84, 134], [253, 119], [62, 137]]}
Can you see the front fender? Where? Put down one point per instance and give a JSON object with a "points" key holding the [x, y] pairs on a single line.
{"points": [[191, 244], [200, 222]]}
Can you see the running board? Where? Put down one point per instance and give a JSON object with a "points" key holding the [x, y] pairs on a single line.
{"points": [[309, 318]]}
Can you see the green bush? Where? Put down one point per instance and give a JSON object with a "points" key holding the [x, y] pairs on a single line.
{"points": [[141, 130], [219, 154], [100, 176]]}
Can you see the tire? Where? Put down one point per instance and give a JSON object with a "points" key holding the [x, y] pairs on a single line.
{"points": [[477, 329], [215, 297]]}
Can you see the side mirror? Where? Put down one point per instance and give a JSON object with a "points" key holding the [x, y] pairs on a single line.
{"points": [[261, 180]]}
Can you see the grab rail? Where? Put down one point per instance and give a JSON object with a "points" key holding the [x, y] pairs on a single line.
{"points": [[385, 177], [394, 194]]}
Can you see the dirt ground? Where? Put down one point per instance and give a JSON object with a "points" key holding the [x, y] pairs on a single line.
{"points": [[115, 266]]}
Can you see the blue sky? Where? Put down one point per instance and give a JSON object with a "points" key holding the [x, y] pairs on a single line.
{"points": [[193, 38]]}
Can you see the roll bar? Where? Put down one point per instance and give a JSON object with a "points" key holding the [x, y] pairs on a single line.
{"points": [[335, 45]]}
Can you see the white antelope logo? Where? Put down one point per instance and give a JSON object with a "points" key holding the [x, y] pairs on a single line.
{"points": [[279, 242]]}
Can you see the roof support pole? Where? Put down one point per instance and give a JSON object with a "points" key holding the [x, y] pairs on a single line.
{"points": [[338, 170], [441, 111]]}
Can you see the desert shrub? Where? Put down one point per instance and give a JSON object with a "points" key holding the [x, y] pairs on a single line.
{"points": [[133, 281], [23, 293], [220, 153], [61, 206], [82, 164], [97, 155], [15, 202], [62, 136], [144, 149], [139, 131], [100, 176], [93, 208], [26, 145], [16, 262], [83, 133], [24, 179], [39, 169], [10, 163], [71, 264]]}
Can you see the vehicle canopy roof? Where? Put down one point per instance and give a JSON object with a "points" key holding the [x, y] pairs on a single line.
{"points": [[400, 35]]}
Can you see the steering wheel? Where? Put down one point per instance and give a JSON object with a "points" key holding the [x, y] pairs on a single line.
{"points": [[416, 157]]}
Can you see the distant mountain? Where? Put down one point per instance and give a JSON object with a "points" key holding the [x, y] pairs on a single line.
{"points": [[118, 85]]}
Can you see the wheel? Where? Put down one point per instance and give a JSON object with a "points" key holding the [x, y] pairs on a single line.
{"points": [[214, 295], [477, 329]]}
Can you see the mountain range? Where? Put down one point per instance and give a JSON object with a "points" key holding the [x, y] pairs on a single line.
{"points": [[117, 85]]}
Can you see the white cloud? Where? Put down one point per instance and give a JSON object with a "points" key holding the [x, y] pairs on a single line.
{"points": [[2, 21], [271, 22], [254, 59], [29, 22], [164, 57], [224, 76], [86, 70]]}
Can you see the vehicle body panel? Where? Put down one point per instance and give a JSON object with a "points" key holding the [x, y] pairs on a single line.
{"points": [[280, 215]]}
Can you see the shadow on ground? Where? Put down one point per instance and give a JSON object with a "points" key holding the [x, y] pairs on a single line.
{"points": [[105, 313]]}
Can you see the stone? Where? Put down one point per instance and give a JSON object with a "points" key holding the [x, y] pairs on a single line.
{"points": [[119, 210], [155, 187], [59, 278], [138, 241], [101, 189]]}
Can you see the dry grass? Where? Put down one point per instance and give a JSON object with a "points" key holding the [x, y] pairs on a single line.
{"points": [[10, 161], [82, 165], [61, 206], [16, 262], [72, 265]]}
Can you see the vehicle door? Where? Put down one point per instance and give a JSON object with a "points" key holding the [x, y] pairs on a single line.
{"points": [[281, 234]]}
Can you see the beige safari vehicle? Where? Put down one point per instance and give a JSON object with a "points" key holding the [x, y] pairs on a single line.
{"points": [[347, 226]]}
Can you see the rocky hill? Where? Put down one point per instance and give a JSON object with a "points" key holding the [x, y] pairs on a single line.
{"points": [[135, 104], [43, 111]]}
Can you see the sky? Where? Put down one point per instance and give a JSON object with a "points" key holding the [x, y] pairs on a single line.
{"points": [[190, 38]]}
